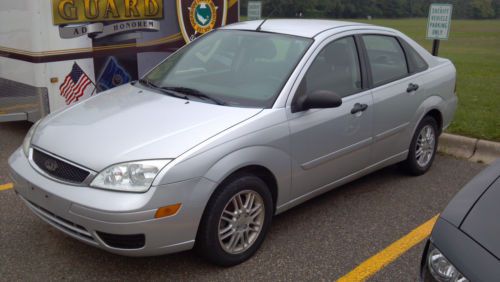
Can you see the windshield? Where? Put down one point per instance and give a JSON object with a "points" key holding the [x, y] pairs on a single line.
{"points": [[238, 68]]}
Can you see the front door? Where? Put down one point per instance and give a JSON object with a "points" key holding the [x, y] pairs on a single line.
{"points": [[330, 144]]}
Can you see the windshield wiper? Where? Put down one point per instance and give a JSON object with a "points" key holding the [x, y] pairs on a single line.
{"points": [[147, 83], [195, 93], [169, 92]]}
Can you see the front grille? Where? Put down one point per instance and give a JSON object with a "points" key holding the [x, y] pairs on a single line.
{"points": [[136, 241], [58, 168]]}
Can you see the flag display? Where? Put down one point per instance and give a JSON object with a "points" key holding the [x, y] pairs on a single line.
{"points": [[74, 85], [113, 75]]}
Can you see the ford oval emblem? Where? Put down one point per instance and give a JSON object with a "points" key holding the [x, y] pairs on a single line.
{"points": [[51, 165]]}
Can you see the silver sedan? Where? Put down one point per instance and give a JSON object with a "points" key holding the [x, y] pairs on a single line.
{"points": [[244, 123]]}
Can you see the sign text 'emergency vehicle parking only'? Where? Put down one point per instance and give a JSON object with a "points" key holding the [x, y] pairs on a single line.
{"points": [[254, 10], [438, 25]]}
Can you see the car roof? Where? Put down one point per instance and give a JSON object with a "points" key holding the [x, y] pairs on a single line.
{"points": [[298, 27]]}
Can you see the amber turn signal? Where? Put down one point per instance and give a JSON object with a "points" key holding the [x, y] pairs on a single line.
{"points": [[168, 211]]}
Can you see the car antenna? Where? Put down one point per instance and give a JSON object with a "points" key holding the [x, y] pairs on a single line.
{"points": [[260, 25], [259, 28]]}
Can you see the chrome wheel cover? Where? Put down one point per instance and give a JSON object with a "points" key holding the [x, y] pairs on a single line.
{"points": [[241, 222], [424, 150]]}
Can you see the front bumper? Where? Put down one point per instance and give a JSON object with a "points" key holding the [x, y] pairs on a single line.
{"points": [[91, 215]]}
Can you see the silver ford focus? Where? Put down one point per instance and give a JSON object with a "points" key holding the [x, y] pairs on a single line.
{"points": [[244, 123]]}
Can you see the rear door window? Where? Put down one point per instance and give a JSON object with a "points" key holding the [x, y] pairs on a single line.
{"points": [[386, 58]]}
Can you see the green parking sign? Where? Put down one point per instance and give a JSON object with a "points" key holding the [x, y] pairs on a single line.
{"points": [[438, 25], [254, 10]]}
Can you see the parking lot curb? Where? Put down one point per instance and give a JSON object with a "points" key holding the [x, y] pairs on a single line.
{"points": [[472, 149], [486, 151]]}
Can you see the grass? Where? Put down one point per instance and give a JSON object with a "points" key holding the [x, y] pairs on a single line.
{"points": [[474, 48]]}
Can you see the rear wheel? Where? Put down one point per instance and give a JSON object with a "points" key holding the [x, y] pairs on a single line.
{"points": [[423, 147], [236, 221]]}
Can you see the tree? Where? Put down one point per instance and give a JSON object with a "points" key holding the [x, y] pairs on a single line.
{"points": [[335, 9], [496, 7], [482, 9], [286, 8]]}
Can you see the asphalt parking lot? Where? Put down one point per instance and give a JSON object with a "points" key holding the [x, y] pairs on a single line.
{"points": [[323, 239]]}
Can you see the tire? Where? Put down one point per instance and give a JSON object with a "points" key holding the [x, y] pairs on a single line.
{"points": [[423, 147], [235, 223]]}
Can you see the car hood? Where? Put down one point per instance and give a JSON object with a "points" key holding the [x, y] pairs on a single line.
{"points": [[130, 123], [475, 209], [482, 223]]}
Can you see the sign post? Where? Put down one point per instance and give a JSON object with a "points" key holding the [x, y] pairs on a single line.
{"points": [[438, 25], [254, 10]]}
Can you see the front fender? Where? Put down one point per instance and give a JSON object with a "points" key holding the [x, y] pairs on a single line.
{"points": [[273, 159], [263, 142]]}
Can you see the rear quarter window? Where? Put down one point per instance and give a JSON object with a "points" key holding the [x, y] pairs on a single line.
{"points": [[416, 62]]}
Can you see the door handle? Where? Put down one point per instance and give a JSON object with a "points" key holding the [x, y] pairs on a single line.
{"points": [[359, 108], [412, 87]]}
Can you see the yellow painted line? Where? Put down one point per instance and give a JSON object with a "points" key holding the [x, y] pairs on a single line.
{"points": [[7, 186], [377, 262]]}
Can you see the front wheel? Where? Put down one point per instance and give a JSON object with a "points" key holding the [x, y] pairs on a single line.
{"points": [[236, 221], [423, 147]]}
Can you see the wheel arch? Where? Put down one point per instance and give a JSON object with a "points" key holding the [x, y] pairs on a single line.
{"points": [[272, 165], [432, 106], [261, 172], [438, 116]]}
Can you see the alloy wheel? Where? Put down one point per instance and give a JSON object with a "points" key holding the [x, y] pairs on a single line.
{"points": [[426, 142], [241, 222]]}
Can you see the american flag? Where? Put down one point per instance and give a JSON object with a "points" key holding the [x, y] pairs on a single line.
{"points": [[74, 84]]}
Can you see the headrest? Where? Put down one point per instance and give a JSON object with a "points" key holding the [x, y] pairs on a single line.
{"points": [[338, 55], [260, 48]]}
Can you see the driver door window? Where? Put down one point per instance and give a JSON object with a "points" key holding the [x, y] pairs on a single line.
{"points": [[336, 68]]}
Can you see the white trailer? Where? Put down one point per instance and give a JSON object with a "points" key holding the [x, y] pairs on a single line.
{"points": [[56, 53]]}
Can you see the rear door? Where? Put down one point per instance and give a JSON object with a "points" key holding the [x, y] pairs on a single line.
{"points": [[396, 93]]}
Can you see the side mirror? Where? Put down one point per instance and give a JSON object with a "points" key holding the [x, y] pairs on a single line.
{"points": [[319, 99]]}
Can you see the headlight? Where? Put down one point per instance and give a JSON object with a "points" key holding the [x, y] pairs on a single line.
{"points": [[441, 269], [129, 177], [29, 136]]}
